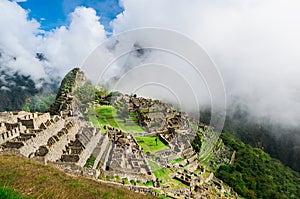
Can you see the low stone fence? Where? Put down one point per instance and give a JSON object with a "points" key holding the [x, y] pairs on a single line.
{"points": [[75, 169], [71, 168], [129, 175]]}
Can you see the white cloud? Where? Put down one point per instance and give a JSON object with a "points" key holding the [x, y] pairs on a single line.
{"points": [[19, 0], [64, 47], [17, 39], [67, 47], [255, 43]]}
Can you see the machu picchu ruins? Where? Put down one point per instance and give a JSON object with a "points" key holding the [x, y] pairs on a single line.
{"points": [[142, 144]]}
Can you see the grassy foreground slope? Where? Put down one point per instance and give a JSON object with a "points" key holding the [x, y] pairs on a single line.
{"points": [[32, 179], [8, 193]]}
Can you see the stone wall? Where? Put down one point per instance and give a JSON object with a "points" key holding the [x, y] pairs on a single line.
{"points": [[101, 150], [2, 127], [89, 147], [10, 134], [75, 169], [33, 121], [33, 144], [165, 141], [54, 149], [130, 175], [11, 117]]}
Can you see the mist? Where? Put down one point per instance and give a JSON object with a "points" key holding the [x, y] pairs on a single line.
{"points": [[254, 44]]}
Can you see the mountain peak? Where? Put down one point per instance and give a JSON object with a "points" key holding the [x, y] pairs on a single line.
{"points": [[64, 98]]}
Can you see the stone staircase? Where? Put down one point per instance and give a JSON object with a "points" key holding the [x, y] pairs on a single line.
{"points": [[101, 151], [80, 149], [106, 156], [55, 144]]}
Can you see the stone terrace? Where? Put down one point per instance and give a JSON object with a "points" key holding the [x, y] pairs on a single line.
{"points": [[80, 149], [29, 140], [47, 138], [56, 144], [126, 156], [9, 131]]}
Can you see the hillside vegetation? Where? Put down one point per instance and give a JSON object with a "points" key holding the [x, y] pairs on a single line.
{"points": [[279, 140], [254, 174], [33, 179], [20, 92], [15, 90]]}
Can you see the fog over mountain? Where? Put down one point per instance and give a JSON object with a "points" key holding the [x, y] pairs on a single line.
{"points": [[255, 45]]}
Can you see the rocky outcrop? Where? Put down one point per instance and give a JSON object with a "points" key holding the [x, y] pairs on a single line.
{"points": [[65, 102]]}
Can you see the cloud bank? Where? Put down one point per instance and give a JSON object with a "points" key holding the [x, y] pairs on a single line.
{"points": [[255, 44]]}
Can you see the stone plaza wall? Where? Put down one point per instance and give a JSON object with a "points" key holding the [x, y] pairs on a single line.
{"points": [[130, 175], [75, 169]]}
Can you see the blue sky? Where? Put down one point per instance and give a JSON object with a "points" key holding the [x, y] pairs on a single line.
{"points": [[54, 13]]}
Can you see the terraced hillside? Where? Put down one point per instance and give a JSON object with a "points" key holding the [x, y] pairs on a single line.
{"points": [[131, 142]]}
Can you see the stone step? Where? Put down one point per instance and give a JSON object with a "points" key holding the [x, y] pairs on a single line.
{"points": [[97, 149], [100, 150], [106, 156], [70, 158], [13, 144], [57, 143], [25, 136]]}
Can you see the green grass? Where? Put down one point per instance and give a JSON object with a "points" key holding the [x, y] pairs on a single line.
{"points": [[107, 115], [106, 111], [94, 121], [90, 162], [29, 178], [176, 160], [148, 183], [8, 193], [149, 145], [164, 175], [159, 172], [125, 180], [133, 114]]}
